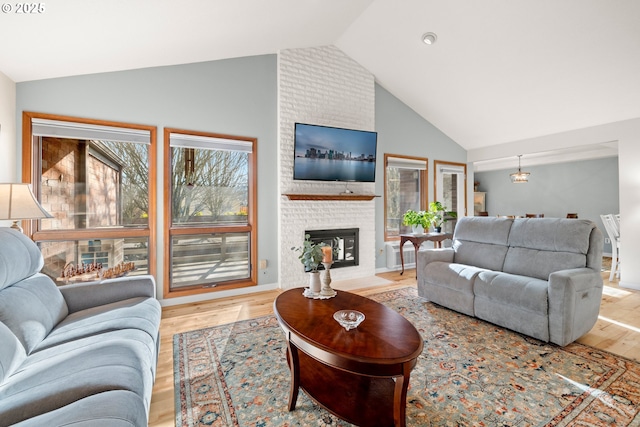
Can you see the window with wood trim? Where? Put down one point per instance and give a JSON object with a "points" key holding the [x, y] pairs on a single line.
{"points": [[405, 187], [97, 180], [450, 188], [210, 213]]}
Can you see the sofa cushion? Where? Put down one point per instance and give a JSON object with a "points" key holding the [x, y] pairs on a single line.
{"points": [[12, 352], [451, 275], [552, 234], [116, 408], [134, 313], [535, 325], [525, 293], [19, 257], [46, 384], [71, 347], [81, 296], [483, 230], [31, 308], [449, 284], [481, 241], [541, 246], [482, 255], [540, 264], [515, 302]]}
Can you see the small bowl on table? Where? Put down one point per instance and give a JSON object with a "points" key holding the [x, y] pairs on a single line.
{"points": [[348, 319]]}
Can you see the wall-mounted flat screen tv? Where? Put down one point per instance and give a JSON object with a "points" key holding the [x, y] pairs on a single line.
{"points": [[323, 153]]}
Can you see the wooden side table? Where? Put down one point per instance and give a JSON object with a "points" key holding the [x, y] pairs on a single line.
{"points": [[417, 240]]}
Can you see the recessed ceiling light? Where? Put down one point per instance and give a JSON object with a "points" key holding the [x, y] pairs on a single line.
{"points": [[429, 38]]}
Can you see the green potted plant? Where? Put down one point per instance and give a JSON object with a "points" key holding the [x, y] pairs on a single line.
{"points": [[418, 220], [311, 256], [439, 214]]}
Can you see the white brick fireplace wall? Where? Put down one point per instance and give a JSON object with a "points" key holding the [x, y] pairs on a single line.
{"points": [[322, 86]]}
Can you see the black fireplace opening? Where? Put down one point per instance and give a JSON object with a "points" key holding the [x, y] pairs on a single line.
{"points": [[344, 241]]}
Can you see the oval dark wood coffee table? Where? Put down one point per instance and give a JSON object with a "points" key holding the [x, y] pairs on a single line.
{"points": [[359, 375]]}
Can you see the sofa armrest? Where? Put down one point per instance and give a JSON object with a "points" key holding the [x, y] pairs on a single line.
{"points": [[574, 303], [427, 256], [81, 296]]}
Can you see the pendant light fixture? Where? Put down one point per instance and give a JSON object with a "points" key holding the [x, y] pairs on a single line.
{"points": [[519, 177]]}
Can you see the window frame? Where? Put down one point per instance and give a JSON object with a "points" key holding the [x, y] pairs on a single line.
{"points": [[437, 164], [32, 172], [423, 177], [170, 230]]}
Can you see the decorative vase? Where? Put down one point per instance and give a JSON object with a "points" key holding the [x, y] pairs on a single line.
{"points": [[417, 229], [314, 282], [438, 229]]}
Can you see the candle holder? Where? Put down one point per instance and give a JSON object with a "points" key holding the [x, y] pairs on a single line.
{"points": [[327, 290]]}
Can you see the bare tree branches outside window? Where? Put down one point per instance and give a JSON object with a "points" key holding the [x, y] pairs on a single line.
{"points": [[213, 189], [134, 180]]}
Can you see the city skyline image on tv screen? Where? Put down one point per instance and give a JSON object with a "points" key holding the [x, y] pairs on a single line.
{"points": [[326, 153]]}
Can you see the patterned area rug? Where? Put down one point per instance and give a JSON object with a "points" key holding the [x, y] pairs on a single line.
{"points": [[471, 373]]}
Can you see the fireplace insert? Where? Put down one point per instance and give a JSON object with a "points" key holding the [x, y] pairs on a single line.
{"points": [[345, 240]]}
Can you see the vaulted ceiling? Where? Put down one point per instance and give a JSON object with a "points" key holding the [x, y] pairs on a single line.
{"points": [[500, 70]]}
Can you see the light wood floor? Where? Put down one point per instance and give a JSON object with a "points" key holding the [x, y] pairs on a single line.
{"points": [[617, 329]]}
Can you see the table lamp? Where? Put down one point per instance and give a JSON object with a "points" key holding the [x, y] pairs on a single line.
{"points": [[17, 202]]}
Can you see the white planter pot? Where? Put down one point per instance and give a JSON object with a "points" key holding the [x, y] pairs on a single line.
{"points": [[417, 229], [314, 282]]}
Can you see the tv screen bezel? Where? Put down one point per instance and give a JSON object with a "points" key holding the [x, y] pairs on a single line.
{"points": [[295, 146]]}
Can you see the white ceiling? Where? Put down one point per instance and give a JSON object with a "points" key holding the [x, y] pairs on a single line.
{"points": [[501, 70]]}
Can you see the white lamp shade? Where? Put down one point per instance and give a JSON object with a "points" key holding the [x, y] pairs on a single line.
{"points": [[18, 202]]}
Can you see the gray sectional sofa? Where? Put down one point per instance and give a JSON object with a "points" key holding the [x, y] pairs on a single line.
{"points": [[82, 354], [539, 276]]}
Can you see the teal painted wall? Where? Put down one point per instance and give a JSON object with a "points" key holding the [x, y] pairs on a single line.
{"points": [[402, 131], [587, 187], [235, 96]]}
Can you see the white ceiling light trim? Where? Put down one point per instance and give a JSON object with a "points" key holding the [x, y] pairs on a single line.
{"points": [[429, 38]]}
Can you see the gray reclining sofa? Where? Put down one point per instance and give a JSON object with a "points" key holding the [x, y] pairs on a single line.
{"points": [[81, 354], [538, 276]]}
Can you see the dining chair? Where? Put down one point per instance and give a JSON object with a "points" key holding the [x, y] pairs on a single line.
{"points": [[609, 222], [534, 216]]}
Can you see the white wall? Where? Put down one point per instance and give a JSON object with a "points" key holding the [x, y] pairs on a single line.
{"points": [[8, 171], [322, 86], [629, 153]]}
